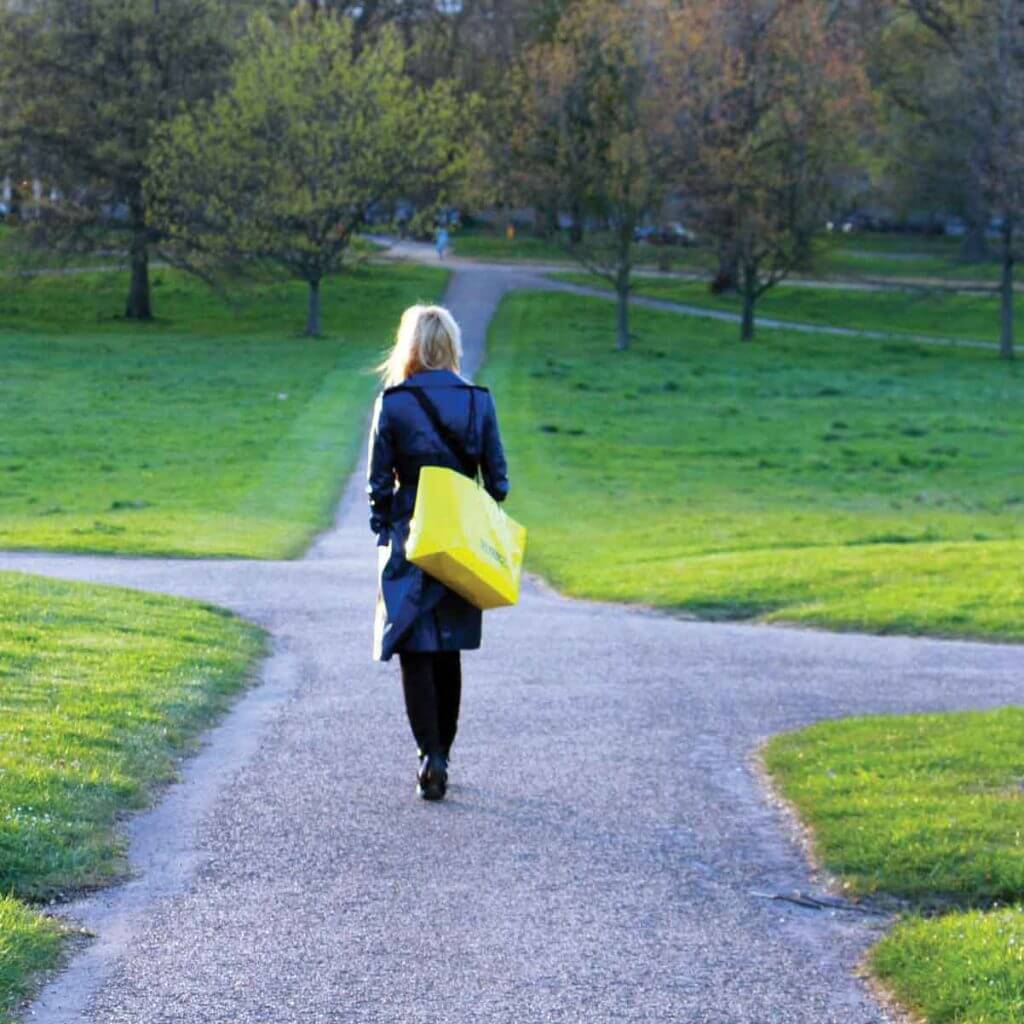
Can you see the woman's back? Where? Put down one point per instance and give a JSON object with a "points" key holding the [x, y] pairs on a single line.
{"points": [[450, 423], [429, 416]]}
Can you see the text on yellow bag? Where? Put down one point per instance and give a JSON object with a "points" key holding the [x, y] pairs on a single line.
{"points": [[460, 535]]}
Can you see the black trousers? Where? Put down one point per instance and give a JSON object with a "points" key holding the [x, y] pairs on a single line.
{"points": [[432, 683]]}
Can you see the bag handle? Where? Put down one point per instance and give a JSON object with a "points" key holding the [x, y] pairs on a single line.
{"points": [[470, 466]]}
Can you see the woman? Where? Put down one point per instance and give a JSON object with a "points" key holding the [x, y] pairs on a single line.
{"points": [[427, 416], [441, 242]]}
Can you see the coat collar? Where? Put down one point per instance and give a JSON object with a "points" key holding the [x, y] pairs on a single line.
{"points": [[436, 379]]}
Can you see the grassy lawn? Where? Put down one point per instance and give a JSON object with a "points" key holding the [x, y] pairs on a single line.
{"points": [[870, 257], [880, 264], [802, 478], [940, 314], [961, 968], [484, 243], [481, 242], [928, 808], [30, 945], [101, 689], [865, 256], [214, 430]]}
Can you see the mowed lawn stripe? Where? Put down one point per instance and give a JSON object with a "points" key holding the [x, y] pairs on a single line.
{"points": [[214, 431]]}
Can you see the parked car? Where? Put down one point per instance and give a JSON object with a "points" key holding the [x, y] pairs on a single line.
{"points": [[677, 233], [955, 227], [673, 233], [855, 221], [995, 227]]}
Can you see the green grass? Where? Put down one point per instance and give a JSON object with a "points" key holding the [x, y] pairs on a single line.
{"points": [[926, 807], [940, 314], [214, 430], [870, 257], [490, 244], [929, 808], [962, 968], [101, 689], [802, 478], [873, 257], [882, 265], [30, 944], [484, 243], [867, 256]]}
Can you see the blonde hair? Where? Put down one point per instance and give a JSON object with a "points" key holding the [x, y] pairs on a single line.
{"points": [[428, 338]]}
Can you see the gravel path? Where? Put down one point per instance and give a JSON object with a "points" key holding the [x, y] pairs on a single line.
{"points": [[602, 842]]}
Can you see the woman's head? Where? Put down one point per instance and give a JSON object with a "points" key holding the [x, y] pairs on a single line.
{"points": [[428, 339]]}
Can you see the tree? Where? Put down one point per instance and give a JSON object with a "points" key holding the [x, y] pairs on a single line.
{"points": [[929, 155], [83, 87], [984, 102], [285, 165], [770, 96], [592, 136]]}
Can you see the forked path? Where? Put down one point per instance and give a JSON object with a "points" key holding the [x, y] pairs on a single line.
{"points": [[598, 855]]}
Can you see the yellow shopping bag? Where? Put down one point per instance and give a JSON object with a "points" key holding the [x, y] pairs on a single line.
{"points": [[460, 535]]}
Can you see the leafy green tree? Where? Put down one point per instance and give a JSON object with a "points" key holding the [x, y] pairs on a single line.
{"points": [[771, 97], [929, 158], [980, 100], [285, 165], [83, 88], [592, 136]]}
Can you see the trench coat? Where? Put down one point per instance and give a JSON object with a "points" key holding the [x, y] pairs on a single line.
{"points": [[416, 612]]}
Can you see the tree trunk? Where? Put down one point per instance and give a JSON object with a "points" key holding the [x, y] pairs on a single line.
{"points": [[622, 319], [549, 221], [974, 246], [576, 227], [727, 277], [139, 306], [1006, 292], [749, 298], [802, 251], [622, 288], [313, 313]]}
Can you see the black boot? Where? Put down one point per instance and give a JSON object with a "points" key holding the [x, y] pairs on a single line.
{"points": [[432, 778], [445, 753]]}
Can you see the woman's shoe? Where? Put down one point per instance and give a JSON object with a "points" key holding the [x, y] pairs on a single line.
{"points": [[446, 754], [432, 778]]}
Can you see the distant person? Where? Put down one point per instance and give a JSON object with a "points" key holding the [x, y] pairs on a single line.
{"points": [[417, 616], [441, 242]]}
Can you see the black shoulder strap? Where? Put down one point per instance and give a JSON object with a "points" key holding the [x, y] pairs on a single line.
{"points": [[466, 461]]}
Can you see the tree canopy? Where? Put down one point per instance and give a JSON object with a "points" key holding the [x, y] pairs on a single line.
{"points": [[592, 135], [308, 138], [84, 87]]}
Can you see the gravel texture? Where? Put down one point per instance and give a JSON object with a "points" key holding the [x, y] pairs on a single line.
{"points": [[598, 854]]}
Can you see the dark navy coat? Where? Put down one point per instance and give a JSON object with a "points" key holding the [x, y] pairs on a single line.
{"points": [[416, 612]]}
